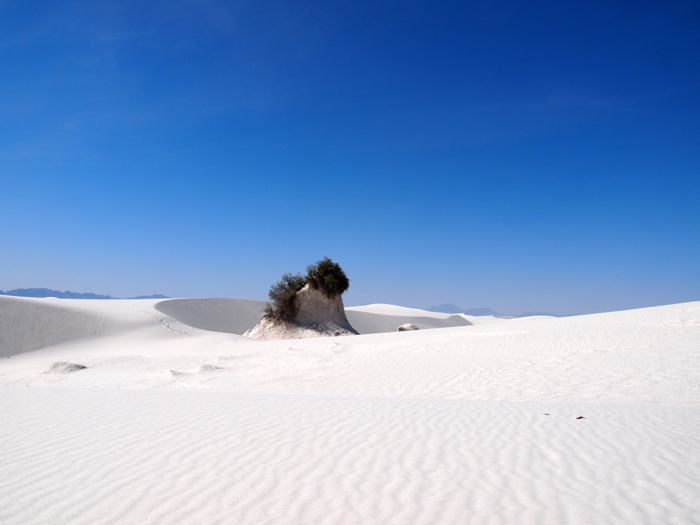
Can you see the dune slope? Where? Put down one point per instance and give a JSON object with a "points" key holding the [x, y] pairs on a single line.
{"points": [[233, 316], [27, 325], [367, 321], [590, 419]]}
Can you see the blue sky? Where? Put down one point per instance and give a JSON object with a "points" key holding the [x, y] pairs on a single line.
{"points": [[523, 156]]}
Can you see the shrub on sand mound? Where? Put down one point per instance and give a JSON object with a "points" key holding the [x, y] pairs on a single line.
{"points": [[328, 277], [325, 275], [281, 305]]}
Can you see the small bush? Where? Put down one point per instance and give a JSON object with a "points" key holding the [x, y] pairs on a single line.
{"points": [[325, 275], [328, 277], [281, 305]]}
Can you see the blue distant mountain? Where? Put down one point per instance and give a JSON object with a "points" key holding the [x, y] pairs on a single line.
{"points": [[452, 309], [45, 292]]}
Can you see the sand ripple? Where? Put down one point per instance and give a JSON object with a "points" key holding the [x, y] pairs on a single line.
{"points": [[159, 457]]}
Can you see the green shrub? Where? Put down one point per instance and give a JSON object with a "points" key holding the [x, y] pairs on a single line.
{"points": [[281, 305], [328, 277], [325, 275]]}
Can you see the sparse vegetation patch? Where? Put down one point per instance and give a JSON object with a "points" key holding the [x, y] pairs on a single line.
{"points": [[324, 275], [281, 305], [328, 277]]}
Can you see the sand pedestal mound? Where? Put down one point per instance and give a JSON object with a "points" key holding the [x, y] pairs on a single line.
{"points": [[317, 316], [316, 308], [270, 329]]}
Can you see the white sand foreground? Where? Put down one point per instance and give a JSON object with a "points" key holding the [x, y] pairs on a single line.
{"points": [[169, 423]]}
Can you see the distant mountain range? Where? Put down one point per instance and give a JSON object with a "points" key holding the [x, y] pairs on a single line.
{"points": [[45, 292], [452, 309]]}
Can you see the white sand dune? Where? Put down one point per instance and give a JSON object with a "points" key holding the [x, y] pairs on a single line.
{"points": [[379, 318], [170, 423], [26, 324], [235, 316], [221, 314]]}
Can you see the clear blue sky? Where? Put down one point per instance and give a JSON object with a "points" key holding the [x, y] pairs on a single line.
{"points": [[515, 155]]}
